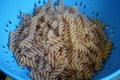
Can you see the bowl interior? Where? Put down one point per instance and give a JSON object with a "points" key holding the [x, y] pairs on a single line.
{"points": [[105, 10]]}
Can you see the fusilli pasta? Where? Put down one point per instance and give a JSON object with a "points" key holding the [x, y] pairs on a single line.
{"points": [[59, 43]]}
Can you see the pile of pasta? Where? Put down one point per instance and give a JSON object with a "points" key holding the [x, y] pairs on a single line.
{"points": [[60, 43]]}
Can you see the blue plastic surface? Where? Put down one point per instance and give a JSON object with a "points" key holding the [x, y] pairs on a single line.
{"points": [[105, 10]]}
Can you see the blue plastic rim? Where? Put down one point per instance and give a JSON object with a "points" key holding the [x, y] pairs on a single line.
{"points": [[105, 10]]}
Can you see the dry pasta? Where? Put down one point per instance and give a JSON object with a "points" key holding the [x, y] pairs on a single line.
{"points": [[59, 43]]}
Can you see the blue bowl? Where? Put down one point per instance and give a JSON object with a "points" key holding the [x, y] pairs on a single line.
{"points": [[105, 10]]}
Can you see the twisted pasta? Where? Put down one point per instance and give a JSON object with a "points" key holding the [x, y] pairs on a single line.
{"points": [[59, 43]]}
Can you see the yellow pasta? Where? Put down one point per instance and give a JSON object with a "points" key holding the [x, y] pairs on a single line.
{"points": [[60, 43]]}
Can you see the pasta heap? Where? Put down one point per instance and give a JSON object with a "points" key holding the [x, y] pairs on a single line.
{"points": [[59, 43]]}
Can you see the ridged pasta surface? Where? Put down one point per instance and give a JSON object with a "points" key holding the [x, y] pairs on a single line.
{"points": [[60, 43]]}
